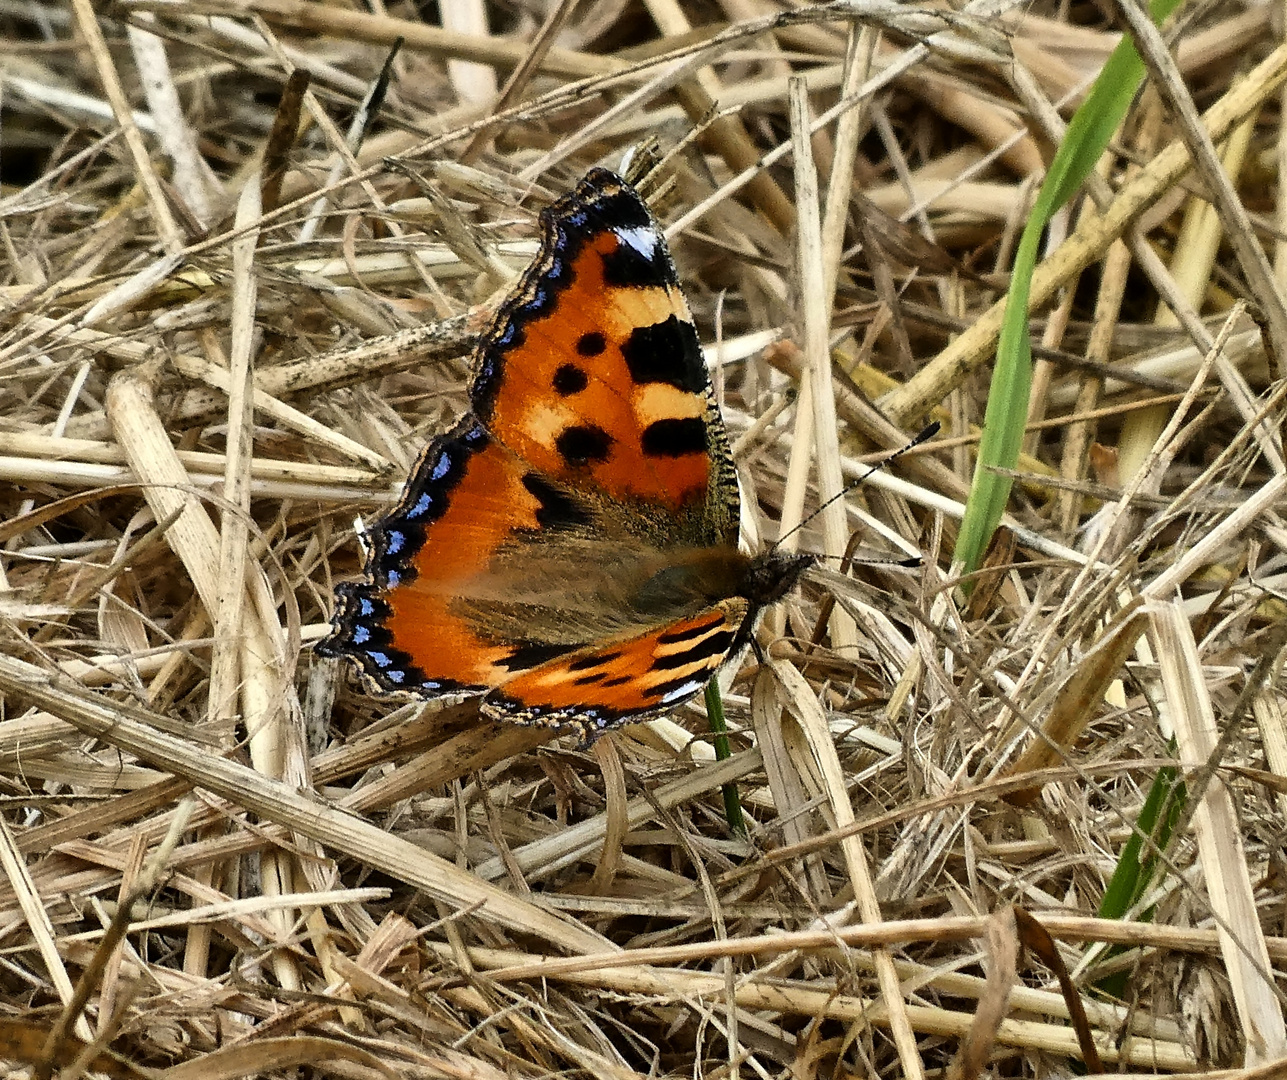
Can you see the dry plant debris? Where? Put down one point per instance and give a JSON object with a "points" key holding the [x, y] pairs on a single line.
{"points": [[238, 300]]}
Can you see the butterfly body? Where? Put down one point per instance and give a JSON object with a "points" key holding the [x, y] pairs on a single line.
{"points": [[570, 548]]}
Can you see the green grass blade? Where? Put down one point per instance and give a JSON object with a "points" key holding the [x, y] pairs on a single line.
{"points": [[1007, 410], [1134, 871], [715, 717]]}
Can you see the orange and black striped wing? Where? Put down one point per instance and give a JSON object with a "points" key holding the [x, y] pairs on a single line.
{"points": [[592, 420], [604, 686]]}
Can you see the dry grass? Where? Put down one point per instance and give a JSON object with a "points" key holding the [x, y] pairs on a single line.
{"points": [[221, 857]]}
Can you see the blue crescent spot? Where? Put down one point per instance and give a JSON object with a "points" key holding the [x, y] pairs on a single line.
{"points": [[365, 607], [382, 659], [394, 539], [421, 507], [361, 635], [441, 466], [431, 684], [394, 578], [397, 675]]}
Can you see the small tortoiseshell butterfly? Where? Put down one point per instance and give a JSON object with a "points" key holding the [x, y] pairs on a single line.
{"points": [[570, 548]]}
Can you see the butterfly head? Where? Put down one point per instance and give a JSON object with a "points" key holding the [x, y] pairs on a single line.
{"points": [[770, 576]]}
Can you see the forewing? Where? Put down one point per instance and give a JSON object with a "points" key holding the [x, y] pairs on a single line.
{"points": [[593, 372], [626, 680]]}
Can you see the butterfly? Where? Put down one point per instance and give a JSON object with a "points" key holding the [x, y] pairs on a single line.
{"points": [[569, 549]]}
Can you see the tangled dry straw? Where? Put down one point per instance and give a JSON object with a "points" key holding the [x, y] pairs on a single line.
{"points": [[233, 315]]}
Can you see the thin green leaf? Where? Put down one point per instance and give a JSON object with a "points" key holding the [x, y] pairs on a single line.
{"points": [[1007, 410], [715, 717], [1135, 868]]}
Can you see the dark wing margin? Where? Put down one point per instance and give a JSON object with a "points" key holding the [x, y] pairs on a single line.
{"points": [[360, 625]]}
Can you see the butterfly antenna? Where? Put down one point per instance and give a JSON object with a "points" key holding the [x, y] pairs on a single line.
{"points": [[926, 433]]}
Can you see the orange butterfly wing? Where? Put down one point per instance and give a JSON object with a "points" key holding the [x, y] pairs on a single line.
{"points": [[398, 624], [593, 424], [592, 689], [594, 374]]}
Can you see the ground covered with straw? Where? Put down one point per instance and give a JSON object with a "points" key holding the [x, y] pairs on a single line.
{"points": [[1023, 817]]}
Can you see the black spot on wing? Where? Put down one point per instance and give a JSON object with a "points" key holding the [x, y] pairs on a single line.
{"points": [[666, 352], [591, 344], [532, 654], [618, 680], [581, 444], [570, 379], [594, 660], [558, 510], [674, 438]]}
